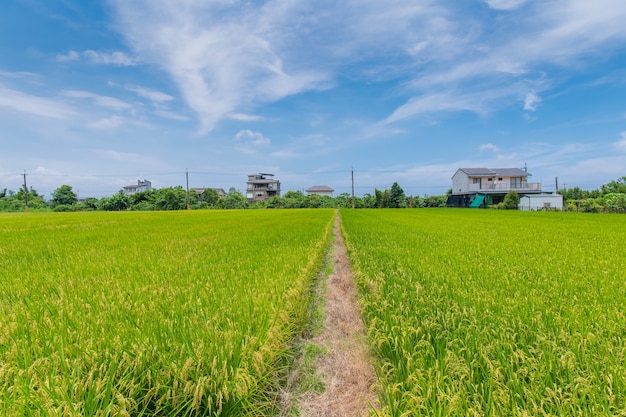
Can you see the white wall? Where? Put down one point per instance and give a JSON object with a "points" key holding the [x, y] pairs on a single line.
{"points": [[541, 202]]}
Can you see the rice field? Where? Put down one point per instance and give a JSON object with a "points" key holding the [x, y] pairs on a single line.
{"points": [[160, 313], [469, 312], [493, 313]]}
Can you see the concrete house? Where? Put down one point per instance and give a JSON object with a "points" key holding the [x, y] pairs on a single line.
{"points": [[142, 185], [262, 187], [481, 187], [322, 190]]}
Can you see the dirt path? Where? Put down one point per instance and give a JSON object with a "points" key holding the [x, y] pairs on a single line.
{"points": [[346, 367]]}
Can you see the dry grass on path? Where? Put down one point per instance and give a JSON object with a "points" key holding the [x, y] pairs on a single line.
{"points": [[345, 368]]}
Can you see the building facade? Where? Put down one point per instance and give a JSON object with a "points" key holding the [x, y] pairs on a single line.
{"points": [[262, 187], [142, 185], [482, 187], [322, 190]]}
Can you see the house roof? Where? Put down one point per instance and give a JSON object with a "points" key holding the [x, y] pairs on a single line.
{"points": [[487, 172], [317, 188]]}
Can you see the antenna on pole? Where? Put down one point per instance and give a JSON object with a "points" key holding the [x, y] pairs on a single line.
{"points": [[25, 194]]}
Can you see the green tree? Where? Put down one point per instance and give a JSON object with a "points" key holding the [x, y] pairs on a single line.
{"points": [[382, 198], [209, 196], [615, 186], [35, 201], [397, 198], [235, 200], [511, 200], [117, 202], [171, 198], [294, 199], [344, 200], [64, 195]]}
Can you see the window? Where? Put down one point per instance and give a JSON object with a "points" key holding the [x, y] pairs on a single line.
{"points": [[489, 179], [476, 180], [516, 182]]}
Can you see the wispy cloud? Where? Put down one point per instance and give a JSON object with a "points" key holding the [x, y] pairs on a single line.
{"points": [[250, 137], [170, 115], [111, 103], [505, 4], [35, 105], [242, 117], [546, 34], [96, 57], [489, 147], [531, 101], [621, 144], [222, 58], [119, 156], [108, 123], [152, 95]]}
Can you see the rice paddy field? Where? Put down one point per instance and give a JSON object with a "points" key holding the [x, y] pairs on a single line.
{"points": [[493, 313], [469, 312], [159, 313]]}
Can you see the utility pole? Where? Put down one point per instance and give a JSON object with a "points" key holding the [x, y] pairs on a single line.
{"points": [[556, 183], [352, 171], [187, 177], [25, 194]]}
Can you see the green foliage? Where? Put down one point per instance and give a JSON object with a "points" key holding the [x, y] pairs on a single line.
{"points": [[209, 196], [234, 200], [511, 201], [64, 195], [171, 198], [396, 198], [117, 202], [476, 313]]}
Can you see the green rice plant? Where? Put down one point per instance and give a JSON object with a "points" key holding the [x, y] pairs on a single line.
{"points": [[159, 313], [493, 313]]}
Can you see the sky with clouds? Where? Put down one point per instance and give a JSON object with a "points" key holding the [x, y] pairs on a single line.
{"points": [[100, 94]]}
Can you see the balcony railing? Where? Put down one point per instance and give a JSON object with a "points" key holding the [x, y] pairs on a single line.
{"points": [[504, 187]]}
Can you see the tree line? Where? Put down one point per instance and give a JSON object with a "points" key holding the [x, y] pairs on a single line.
{"points": [[176, 198], [609, 198]]}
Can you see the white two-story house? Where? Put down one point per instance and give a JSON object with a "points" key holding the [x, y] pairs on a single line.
{"points": [[481, 187]]}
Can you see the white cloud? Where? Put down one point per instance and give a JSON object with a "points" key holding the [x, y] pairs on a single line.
{"points": [[152, 95], [621, 144], [111, 103], [245, 117], [95, 57], [34, 105], [251, 137], [531, 101], [489, 147], [505, 4], [113, 155], [109, 123], [170, 115], [70, 56]]}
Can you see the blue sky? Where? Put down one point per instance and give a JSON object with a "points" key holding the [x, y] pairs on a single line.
{"points": [[99, 94]]}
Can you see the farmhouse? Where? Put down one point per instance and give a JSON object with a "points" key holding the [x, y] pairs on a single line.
{"points": [[322, 190], [261, 187], [538, 202], [481, 187], [142, 185]]}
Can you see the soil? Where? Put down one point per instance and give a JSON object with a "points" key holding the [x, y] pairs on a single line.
{"points": [[346, 368]]}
